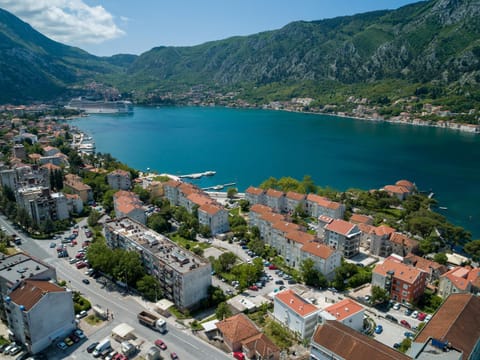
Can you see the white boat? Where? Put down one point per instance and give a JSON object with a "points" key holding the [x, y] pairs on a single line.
{"points": [[100, 107]]}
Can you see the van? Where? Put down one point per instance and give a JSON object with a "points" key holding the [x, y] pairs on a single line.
{"points": [[101, 347]]}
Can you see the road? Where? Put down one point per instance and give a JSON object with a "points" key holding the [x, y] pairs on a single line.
{"points": [[123, 308]]}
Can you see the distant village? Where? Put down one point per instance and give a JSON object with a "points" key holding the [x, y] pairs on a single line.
{"points": [[325, 323]]}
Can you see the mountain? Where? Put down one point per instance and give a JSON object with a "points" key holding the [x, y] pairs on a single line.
{"points": [[34, 67], [432, 42]]}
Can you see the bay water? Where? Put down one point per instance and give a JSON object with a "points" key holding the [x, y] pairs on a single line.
{"points": [[247, 146]]}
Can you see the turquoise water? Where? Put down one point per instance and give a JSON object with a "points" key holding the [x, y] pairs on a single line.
{"points": [[248, 146]]}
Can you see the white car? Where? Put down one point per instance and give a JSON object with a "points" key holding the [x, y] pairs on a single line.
{"points": [[396, 306], [428, 318], [415, 314]]}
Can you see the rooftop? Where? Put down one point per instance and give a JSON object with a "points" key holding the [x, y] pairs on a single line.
{"points": [[342, 227], [260, 209], [254, 191], [301, 237], [401, 271], [318, 249], [344, 309], [295, 196], [296, 303], [237, 328], [274, 193], [31, 291], [20, 266]]}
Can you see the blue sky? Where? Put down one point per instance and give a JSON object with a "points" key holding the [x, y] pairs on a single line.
{"points": [[107, 27]]}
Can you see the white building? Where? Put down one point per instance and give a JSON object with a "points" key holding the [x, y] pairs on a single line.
{"points": [[38, 312], [255, 195], [294, 200], [215, 217], [275, 199], [347, 311], [295, 313], [119, 180], [127, 203], [317, 205], [344, 236], [325, 258]]}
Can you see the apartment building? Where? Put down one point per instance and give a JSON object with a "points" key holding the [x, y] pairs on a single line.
{"points": [[119, 179], [347, 311], [41, 204], [459, 280], [76, 185], [402, 245], [294, 200], [184, 277], [255, 195], [128, 204], [275, 199], [344, 236], [215, 217], [325, 258], [432, 268], [317, 205]]}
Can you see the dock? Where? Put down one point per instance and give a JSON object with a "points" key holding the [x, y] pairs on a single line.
{"points": [[218, 187], [197, 175]]}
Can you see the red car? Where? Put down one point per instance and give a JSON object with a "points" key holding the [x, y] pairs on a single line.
{"points": [[80, 255], [238, 355], [421, 316], [254, 287], [160, 344], [405, 323], [80, 265], [272, 267], [174, 356]]}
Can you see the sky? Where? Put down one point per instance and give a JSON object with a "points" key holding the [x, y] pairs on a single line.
{"points": [[108, 27]]}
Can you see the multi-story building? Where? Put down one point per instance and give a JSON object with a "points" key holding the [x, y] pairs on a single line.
{"points": [[294, 241], [23, 175], [184, 277], [459, 280], [19, 151], [277, 234], [275, 199], [255, 195], [171, 191], [347, 311], [317, 205], [402, 245], [41, 204], [404, 283], [256, 211], [432, 268], [325, 258], [295, 313], [119, 179], [335, 341], [294, 200], [38, 312], [344, 236], [378, 239], [215, 217], [128, 204], [76, 185]]}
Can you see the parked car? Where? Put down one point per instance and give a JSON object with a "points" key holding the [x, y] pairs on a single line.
{"points": [[421, 316], [68, 341], [15, 350], [92, 347], [62, 346], [173, 356], [81, 264], [405, 323], [52, 245], [396, 345], [391, 318], [253, 287], [378, 329], [79, 333], [409, 334], [428, 318], [415, 314], [239, 355], [272, 267], [408, 312], [396, 306], [86, 281], [74, 338], [279, 282], [81, 314], [159, 343]]}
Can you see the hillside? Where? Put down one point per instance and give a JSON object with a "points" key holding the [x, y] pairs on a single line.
{"points": [[435, 43], [34, 67]]}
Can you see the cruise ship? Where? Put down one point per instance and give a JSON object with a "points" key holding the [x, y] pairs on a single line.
{"points": [[100, 107]]}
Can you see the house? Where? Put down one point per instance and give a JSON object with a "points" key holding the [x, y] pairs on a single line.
{"points": [[459, 280], [404, 283], [432, 268], [317, 205], [335, 341], [295, 313], [347, 311], [455, 326], [378, 237], [361, 219], [119, 179], [323, 220], [76, 185], [50, 150], [401, 192], [294, 200], [344, 236], [255, 195], [275, 199], [240, 334], [128, 204], [276, 236], [402, 244], [38, 311], [215, 217], [325, 259]]}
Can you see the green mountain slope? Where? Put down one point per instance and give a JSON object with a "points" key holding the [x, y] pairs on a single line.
{"points": [[435, 42], [34, 67]]}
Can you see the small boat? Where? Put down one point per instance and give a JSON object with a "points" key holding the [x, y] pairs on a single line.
{"points": [[443, 207]]}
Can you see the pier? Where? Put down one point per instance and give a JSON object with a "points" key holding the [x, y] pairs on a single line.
{"points": [[197, 175], [218, 187]]}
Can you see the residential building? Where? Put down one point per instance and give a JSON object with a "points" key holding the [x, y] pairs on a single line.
{"points": [[294, 200], [455, 325], [74, 203], [344, 236], [347, 311], [255, 195], [127, 203], [265, 222], [276, 236], [404, 283], [459, 280], [295, 313], [335, 341], [41, 204], [119, 179], [50, 150], [76, 185], [240, 334], [402, 244], [432, 268], [401, 192], [323, 221], [293, 242], [317, 205], [275, 199], [19, 151], [39, 311], [325, 258], [215, 217], [172, 192], [184, 276], [361, 219], [378, 238], [256, 211]]}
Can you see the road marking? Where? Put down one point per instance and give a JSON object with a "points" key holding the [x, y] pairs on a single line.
{"points": [[186, 342]]}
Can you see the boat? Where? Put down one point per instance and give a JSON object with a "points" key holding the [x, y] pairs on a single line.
{"points": [[210, 173], [443, 207], [217, 187], [100, 106]]}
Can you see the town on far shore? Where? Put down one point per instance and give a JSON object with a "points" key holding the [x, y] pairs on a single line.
{"points": [[284, 270]]}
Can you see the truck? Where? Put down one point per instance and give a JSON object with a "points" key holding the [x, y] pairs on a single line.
{"points": [[152, 321]]}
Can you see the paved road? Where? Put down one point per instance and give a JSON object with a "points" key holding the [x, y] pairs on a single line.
{"points": [[124, 308]]}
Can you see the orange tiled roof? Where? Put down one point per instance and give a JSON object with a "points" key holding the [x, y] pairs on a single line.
{"points": [[341, 227], [402, 239], [272, 217], [383, 230], [51, 167], [456, 321], [361, 219], [401, 271], [260, 209], [405, 183], [323, 201], [274, 193], [296, 303], [285, 226], [344, 309], [210, 208], [298, 236], [424, 264], [461, 277], [120, 172], [200, 198], [366, 229], [396, 189], [326, 219], [173, 183], [254, 191], [261, 344], [237, 328], [318, 249], [31, 291], [295, 196]]}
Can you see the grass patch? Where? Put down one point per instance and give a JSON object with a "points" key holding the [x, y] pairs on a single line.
{"points": [[235, 211], [278, 334], [93, 320], [188, 244], [178, 314]]}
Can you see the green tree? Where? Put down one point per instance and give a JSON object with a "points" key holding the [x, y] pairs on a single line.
{"points": [[232, 192], [149, 287], [379, 295], [312, 276], [215, 296], [93, 218], [441, 258], [405, 345], [142, 193], [223, 311], [244, 205], [158, 223], [473, 248]]}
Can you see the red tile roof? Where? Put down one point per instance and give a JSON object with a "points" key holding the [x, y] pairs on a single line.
{"points": [[361, 219], [383, 230], [318, 249], [424, 264], [261, 344], [237, 328], [461, 277], [272, 217], [31, 291], [301, 237], [344, 309], [210, 208], [352, 345], [456, 322], [260, 209], [341, 227], [295, 196], [285, 226], [173, 183], [274, 193], [325, 219], [200, 199], [396, 189], [405, 183], [323, 201], [296, 303], [401, 271], [254, 191], [401, 239]]}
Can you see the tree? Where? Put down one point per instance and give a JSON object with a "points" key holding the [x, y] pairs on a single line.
{"points": [[379, 295], [441, 258], [223, 311], [158, 223], [473, 248], [93, 217], [312, 276], [142, 193], [244, 205], [231, 193], [150, 288], [215, 296]]}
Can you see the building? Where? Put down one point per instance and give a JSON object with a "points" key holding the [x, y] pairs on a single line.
{"points": [[256, 211], [378, 238], [404, 283], [432, 268], [325, 259], [240, 334], [455, 325], [275, 199], [171, 191], [76, 185], [50, 150], [459, 280], [361, 219], [335, 341], [184, 276], [402, 245], [295, 313], [317, 205], [343, 236], [294, 200], [41, 205], [347, 311], [215, 217], [19, 151], [38, 312], [400, 192], [74, 203], [255, 195], [128, 204], [119, 180]]}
